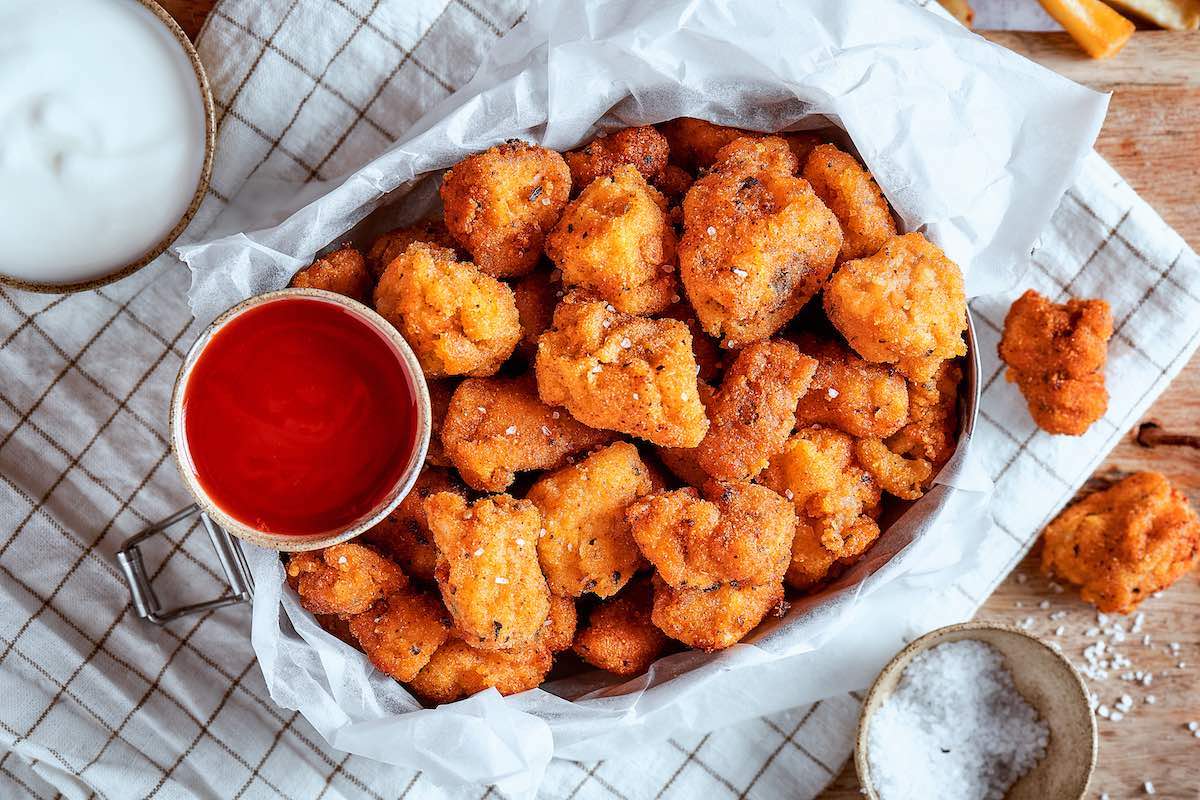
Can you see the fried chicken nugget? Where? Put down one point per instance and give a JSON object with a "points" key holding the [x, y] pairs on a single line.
{"points": [[488, 569], [536, 295], [852, 395], [905, 305], [835, 500], [500, 203], [458, 670], [1056, 355], [642, 148], [619, 636], [695, 143], [623, 373], [931, 430], [400, 633], [802, 143], [755, 410], [683, 462], [558, 631], [588, 546], [903, 477], [709, 358], [1125, 543], [616, 240], [758, 243], [457, 320], [673, 182], [496, 427], [343, 579], [853, 197], [713, 619], [737, 532], [404, 534], [391, 244], [342, 271], [440, 393]]}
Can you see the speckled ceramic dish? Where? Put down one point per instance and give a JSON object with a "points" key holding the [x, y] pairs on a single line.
{"points": [[289, 542], [1046, 680]]}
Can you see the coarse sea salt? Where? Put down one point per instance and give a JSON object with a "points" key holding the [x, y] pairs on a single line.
{"points": [[956, 728]]}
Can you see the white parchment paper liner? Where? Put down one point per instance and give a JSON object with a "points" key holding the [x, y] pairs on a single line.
{"points": [[970, 143]]}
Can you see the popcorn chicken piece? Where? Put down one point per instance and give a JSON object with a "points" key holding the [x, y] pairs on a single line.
{"points": [[905, 305], [619, 636], [642, 148], [673, 182], [1056, 355], [905, 478], [757, 242], [400, 633], [684, 462], [343, 579], [500, 203], [615, 240], [458, 670], [622, 373], [496, 427], [342, 271], [835, 500], [587, 546], [931, 430], [695, 143], [852, 395], [755, 410], [736, 532], [714, 619], [440, 393], [488, 570], [1125, 543], [853, 197], [393, 243], [404, 534], [536, 294], [457, 320]]}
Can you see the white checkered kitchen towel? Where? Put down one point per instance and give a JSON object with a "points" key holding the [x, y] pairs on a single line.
{"points": [[96, 703]]}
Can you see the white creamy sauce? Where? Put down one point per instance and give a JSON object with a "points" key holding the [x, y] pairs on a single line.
{"points": [[101, 136]]}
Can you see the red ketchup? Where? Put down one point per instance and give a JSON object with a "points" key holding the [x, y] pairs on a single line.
{"points": [[299, 417]]}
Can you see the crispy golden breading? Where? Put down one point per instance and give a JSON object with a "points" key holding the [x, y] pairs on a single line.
{"points": [[695, 143], [757, 242], [673, 182], [496, 427], [736, 532], [500, 203], [404, 534], [342, 271], [903, 477], [337, 627], [343, 579], [852, 395], [536, 294], [619, 636], [401, 632], [587, 546], [835, 499], [440, 392], [615, 240], [395, 242], [558, 631], [932, 427], [1125, 543], [709, 357], [713, 619], [854, 198], [457, 670], [755, 410], [643, 148], [683, 462], [802, 143], [457, 320], [905, 305], [488, 568], [1056, 355], [623, 373]]}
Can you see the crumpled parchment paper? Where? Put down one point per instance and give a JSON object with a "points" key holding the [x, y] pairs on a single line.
{"points": [[971, 144]]}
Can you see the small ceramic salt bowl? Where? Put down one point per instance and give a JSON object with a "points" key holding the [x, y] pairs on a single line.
{"points": [[1044, 678]]}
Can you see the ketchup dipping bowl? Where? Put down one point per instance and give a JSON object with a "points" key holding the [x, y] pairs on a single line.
{"points": [[300, 418]]}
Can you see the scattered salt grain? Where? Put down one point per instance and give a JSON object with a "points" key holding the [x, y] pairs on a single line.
{"points": [[501, 581], [1021, 578], [956, 726], [341, 559], [555, 415], [1193, 726], [1044, 605], [1149, 787], [741, 273], [511, 430], [1151, 699], [626, 343], [832, 393], [479, 552], [711, 231]]}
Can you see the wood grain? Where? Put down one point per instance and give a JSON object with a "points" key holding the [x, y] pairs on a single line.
{"points": [[1152, 137]]}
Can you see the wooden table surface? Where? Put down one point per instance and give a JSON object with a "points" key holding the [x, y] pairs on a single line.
{"points": [[1152, 137]]}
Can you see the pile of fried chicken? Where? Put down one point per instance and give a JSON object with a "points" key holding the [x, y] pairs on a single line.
{"points": [[672, 372]]}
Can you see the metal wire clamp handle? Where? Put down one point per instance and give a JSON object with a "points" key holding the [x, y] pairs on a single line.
{"points": [[146, 603]]}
